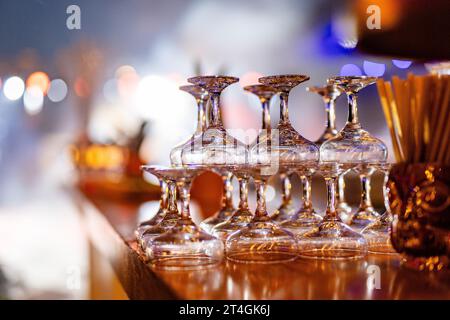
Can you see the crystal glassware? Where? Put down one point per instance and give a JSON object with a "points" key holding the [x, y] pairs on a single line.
{"points": [[377, 233], [201, 97], [353, 145], [329, 94], [261, 240], [214, 146], [162, 210], [331, 239], [242, 216], [343, 208], [185, 245], [171, 213], [306, 217], [289, 146], [227, 207], [366, 213]]}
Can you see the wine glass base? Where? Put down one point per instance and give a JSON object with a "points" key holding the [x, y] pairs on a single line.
{"points": [[261, 242], [332, 254], [184, 246], [332, 240], [261, 258], [209, 223], [301, 222], [362, 218], [237, 222], [185, 262], [378, 238]]}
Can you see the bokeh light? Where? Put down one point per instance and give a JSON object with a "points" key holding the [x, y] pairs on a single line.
{"points": [[374, 69], [38, 79], [402, 64], [57, 90], [13, 88], [81, 87], [127, 81], [33, 100], [155, 98], [350, 70]]}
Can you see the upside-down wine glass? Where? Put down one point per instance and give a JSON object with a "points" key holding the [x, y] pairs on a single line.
{"points": [[156, 219], [329, 94], [354, 147], [262, 240], [214, 146], [366, 214], [292, 147], [226, 207], [185, 245], [171, 215], [305, 217], [331, 239], [201, 97], [242, 216], [377, 233]]}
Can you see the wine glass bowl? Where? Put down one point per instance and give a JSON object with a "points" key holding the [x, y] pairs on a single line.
{"points": [[201, 97], [185, 245], [214, 146], [261, 240], [242, 216], [227, 207], [329, 94], [331, 239]]}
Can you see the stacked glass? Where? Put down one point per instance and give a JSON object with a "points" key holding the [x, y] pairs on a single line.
{"points": [[172, 240]]}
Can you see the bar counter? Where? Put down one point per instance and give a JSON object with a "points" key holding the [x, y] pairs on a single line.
{"points": [[109, 226]]}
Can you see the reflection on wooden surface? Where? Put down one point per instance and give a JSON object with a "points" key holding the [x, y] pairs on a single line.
{"points": [[377, 277]]}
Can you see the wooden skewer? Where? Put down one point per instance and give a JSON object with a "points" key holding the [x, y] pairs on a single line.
{"points": [[412, 110], [443, 118], [387, 114], [395, 117], [444, 138]]}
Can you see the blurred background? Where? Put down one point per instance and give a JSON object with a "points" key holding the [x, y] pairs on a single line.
{"points": [[89, 91]]}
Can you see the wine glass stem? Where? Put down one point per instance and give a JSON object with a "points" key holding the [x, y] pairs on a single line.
{"points": [[172, 199], [286, 187], [365, 193], [243, 193], [163, 200], [185, 197], [386, 193], [216, 118], [331, 213], [201, 116], [340, 196], [284, 111], [227, 194], [306, 191], [261, 210], [266, 115], [352, 109], [331, 116]]}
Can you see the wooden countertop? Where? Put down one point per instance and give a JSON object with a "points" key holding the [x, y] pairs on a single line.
{"points": [[110, 226]]}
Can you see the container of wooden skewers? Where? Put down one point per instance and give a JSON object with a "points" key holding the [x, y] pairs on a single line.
{"points": [[417, 111]]}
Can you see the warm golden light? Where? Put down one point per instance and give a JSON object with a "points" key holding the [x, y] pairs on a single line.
{"points": [[38, 79]]}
